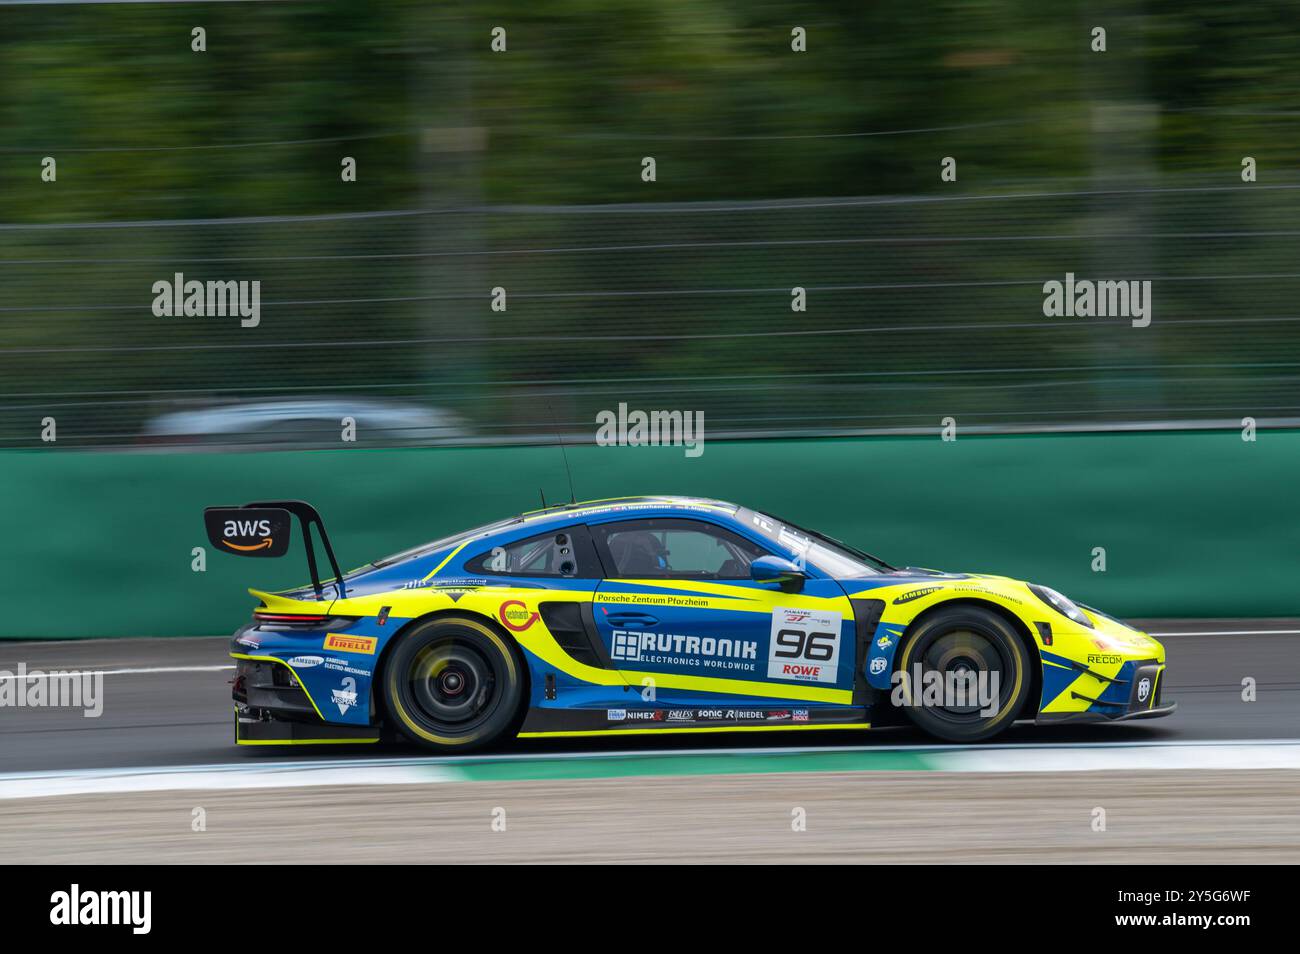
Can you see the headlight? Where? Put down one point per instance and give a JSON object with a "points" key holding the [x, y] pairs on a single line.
{"points": [[1061, 604]]}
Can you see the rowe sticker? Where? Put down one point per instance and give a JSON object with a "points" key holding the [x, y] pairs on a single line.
{"points": [[805, 645]]}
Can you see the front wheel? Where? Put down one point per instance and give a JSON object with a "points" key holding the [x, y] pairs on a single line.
{"points": [[966, 674], [454, 683]]}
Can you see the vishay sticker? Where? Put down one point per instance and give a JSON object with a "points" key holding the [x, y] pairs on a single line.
{"points": [[805, 645], [346, 696]]}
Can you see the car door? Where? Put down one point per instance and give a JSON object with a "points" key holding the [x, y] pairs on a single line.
{"points": [[679, 609], [554, 574]]}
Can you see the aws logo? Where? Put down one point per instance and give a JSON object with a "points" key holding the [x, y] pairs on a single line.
{"points": [[257, 532], [242, 529]]}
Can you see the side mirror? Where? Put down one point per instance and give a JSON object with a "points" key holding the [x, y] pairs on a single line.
{"points": [[774, 569]]}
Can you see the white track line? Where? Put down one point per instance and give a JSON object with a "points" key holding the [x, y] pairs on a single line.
{"points": [[923, 749], [109, 783], [1151, 758], [1233, 632], [1069, 757], [53, 673]]}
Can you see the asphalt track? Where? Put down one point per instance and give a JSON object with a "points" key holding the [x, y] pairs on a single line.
{"points": [[167, 703], [1241, 817], [1218, 781]]}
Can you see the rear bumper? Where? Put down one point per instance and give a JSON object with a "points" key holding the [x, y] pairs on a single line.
{"points": [[266, 686], [273, 708], [260, 727]]}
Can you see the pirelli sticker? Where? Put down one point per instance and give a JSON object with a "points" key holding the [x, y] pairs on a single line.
{"points": [[351, 644]]}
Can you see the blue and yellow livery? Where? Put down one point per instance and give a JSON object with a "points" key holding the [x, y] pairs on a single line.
{"points": [[659, 614]]}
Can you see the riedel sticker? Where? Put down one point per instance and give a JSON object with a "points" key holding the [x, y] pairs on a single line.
{"points": [[805, 645]]}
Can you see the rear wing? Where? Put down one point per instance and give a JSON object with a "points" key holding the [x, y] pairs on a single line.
{"points": [[263, 529]]}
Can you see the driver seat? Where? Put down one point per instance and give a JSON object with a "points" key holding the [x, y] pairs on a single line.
{"points": [[637, 554]]}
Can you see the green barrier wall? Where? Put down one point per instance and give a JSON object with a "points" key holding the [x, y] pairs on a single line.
{"points": [[1194, 524]]}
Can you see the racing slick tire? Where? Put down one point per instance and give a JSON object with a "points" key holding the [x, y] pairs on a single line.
{"points": [[957, 642], [454, 683]]}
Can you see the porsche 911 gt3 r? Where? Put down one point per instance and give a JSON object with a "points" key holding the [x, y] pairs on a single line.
{"points": [[658, 614]]}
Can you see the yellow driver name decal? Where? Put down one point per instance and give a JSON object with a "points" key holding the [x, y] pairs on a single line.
{"points": [[653, 599]]}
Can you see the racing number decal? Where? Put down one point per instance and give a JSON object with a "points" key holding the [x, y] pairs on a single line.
{"points": [[804, 645]]}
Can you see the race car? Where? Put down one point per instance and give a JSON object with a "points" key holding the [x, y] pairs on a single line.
{"points": [[658, 614]]}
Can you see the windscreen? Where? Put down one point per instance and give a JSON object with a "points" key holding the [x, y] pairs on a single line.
{"points": [[830, 556]]}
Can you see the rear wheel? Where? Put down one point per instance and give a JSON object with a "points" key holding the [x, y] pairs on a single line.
{"points": [[454, 683], [967, 674]]}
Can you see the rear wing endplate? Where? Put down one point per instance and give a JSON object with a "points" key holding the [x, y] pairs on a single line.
{"points": [[263, 529]]}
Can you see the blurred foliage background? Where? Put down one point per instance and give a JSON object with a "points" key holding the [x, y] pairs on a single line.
{"points": [[522, 169]]}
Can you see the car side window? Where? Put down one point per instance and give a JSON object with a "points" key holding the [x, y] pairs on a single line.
{"points": [[567, 552], [674, 548]]}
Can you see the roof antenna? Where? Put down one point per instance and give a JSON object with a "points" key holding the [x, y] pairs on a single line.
{"points": [[573, 498]]}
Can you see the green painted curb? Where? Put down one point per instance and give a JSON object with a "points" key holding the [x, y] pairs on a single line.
{"points": [[741, 763]]}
